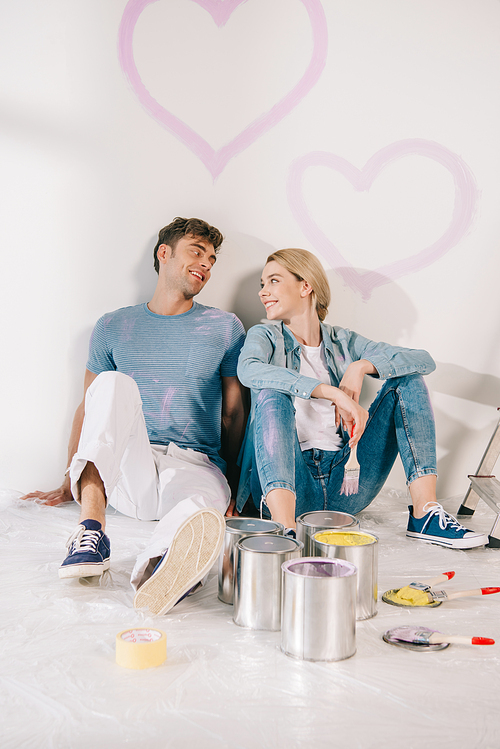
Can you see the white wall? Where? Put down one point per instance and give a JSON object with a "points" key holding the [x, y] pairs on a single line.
{"points": [[92, 167]]}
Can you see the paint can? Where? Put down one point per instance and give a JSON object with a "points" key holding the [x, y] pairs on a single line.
{"points": [[257, 579], [310, 523], [361, 549], [318, 620], [237, 528]]}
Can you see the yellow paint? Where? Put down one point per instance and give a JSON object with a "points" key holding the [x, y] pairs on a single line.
{"points": [[351, 538], [408, 597]]}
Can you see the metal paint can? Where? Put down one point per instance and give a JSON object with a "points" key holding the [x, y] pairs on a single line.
{"points": [[318, 620], [310, 523], [257, 579], [361, 549], [237, 528]]}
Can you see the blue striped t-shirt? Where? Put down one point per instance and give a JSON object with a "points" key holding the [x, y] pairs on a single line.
{"points": [[177, 362]]}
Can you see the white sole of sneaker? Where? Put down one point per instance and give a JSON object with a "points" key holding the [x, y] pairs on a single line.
{"points": [[462, 543], [83, 570], [195, 548]]}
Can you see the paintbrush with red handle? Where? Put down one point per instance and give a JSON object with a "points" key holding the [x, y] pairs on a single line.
{"points": [[430, 583], [442, 595], [425, 636]]}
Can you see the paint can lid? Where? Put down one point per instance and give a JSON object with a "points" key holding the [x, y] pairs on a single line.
{"points": [[252, 525], [323, 518], [270, 544]]}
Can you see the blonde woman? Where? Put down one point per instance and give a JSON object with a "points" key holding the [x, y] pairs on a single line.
{"points": [[305, 378]]}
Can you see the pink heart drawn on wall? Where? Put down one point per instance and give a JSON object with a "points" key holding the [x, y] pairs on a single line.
{"points": [[466, 198], [216, 160]]}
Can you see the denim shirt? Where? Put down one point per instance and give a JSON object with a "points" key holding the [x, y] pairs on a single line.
{"points": [[270, 358]]}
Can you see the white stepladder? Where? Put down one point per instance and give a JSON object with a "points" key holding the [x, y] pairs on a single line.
{"points": [[484, 485]]}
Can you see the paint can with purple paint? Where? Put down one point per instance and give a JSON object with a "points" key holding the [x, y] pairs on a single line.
{"points": [[318, 620], [257, 579], [310, 523], [236, 529], [361, 549]]}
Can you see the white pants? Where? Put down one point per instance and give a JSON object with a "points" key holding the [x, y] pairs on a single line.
{"points": [[144, 481]]}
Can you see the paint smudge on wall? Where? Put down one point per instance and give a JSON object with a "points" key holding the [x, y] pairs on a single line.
{"points": [[217, 160], [465, 204]]}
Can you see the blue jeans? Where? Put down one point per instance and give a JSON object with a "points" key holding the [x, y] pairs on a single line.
{"points": [[400, 421]]}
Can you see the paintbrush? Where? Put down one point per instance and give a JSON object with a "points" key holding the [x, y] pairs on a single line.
{"points": [[425, 636], [441, 595], [430, 583], [350, 484]]}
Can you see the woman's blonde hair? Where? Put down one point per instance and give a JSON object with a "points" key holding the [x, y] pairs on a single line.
{"points": [[306, 267]]}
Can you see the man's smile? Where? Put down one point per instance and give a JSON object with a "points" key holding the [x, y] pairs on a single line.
{"points": [[197, 274]]}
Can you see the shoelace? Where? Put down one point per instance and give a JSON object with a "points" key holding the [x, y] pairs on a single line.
{"points": [[443, 517], [83, 540]]}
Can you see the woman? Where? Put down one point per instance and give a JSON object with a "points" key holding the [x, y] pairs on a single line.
{"points": [[306, 379]]}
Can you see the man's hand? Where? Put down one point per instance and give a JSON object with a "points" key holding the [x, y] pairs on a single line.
{"points": [[352, 381], [55, 497], [234, 415], [231, 511], [63, 494]]}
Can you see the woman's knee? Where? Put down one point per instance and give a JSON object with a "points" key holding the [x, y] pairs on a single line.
{"points": [[273, 399], [412, 385], [274, 414]]}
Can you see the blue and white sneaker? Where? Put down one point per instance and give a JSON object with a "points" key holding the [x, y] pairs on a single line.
{"points": [[438, 527], [88, 549], [190, 556]]}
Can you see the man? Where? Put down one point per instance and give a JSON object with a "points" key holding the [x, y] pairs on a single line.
{"points": [[161, 404]]}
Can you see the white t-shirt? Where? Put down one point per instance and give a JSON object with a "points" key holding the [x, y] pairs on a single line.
{"points": [[315, 417]]}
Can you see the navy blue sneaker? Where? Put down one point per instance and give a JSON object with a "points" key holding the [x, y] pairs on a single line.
{"points": [[438, 527], [88, 551], [290, 533]]}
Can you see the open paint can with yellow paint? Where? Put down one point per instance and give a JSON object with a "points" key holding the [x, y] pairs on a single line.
{"points": [[361, 549], [310, 523]]}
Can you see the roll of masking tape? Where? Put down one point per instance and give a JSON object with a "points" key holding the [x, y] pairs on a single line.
{"points": [[141, 648]]}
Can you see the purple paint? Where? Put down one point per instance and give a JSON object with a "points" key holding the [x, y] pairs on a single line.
{"points": [[220, 10], [167, 400], [466, 198], [186, 427], [217, 160], [127, 328], [271, 434]]}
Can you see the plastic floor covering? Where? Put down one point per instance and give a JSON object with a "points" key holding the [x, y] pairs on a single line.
{"points": [[227, 687]]}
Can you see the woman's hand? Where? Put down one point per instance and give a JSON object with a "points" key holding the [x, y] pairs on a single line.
{"points": [[352, 381], [348, 411]]}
